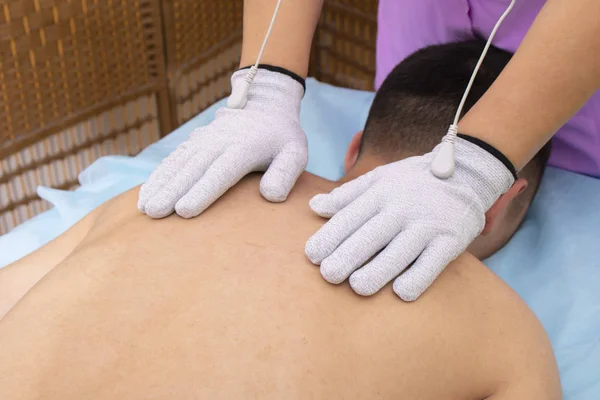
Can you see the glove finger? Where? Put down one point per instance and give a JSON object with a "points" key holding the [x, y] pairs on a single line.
{"points": [[430, 264], [226, 171], [283, 172], [163, 202], [327, 205], [358, 248], [164, 172], [337, 229], [388, 264]]}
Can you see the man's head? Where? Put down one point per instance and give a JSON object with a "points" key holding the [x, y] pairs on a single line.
{"points": [[411, 113]]}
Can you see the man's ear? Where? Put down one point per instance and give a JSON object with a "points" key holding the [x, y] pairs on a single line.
{"points": [[352, 152], [498, 209]]}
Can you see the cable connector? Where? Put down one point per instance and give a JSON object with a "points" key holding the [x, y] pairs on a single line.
{"points": [[239, 97], [442, 165]]}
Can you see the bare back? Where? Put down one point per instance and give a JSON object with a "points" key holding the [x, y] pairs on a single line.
{"points": [[227, 306]]}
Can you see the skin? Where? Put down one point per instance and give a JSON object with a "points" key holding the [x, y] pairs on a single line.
{"points": [[227, 306]]}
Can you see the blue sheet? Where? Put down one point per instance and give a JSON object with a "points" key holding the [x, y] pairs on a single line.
{"points": [[553, 261]]}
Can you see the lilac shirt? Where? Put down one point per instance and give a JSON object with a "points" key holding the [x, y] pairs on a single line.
{"points": [[405, 26]]}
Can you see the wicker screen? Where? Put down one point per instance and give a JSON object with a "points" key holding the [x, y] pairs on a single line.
{"points": [[343, 51], [78, 79], [203, 49]]}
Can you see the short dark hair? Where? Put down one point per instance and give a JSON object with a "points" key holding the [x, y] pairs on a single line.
{"points": [[416, 103]]}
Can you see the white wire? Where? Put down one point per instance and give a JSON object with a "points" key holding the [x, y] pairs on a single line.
{"points": [[483, 54], [264, 44], [239, 97]]}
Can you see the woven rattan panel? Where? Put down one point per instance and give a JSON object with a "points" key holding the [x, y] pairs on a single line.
{"points": [[60, 59], [68, 69], [208, 82], [344, 45], [57, 160], [203, 49]]}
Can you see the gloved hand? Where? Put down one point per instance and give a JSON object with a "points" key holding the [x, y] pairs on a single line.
{"points": [[405, 210], [263, 136]]}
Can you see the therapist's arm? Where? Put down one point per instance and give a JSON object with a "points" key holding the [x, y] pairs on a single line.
{"points": [[551, 76], [291, 38]]}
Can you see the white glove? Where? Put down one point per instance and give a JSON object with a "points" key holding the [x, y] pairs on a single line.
{"points": [[405, 210], [263, 136]]}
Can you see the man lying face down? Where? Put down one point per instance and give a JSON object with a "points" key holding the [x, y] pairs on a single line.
{"points": [[227, 306], [411, 113]]}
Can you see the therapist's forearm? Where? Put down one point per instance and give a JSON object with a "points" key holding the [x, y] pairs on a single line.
{"points": [[551, 76], [291, 38]]}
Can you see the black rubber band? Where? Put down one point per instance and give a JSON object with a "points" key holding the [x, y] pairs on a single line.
{"points": [[284, 71], [493, 151]]}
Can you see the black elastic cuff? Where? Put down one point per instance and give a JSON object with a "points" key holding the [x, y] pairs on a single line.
{"points": [[284, 71], [493, 151]]}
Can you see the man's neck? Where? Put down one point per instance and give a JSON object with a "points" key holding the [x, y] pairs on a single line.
{"points": [[362, 166]]}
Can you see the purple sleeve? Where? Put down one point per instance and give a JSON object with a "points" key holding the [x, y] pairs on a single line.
{"points": [[405, 26]]}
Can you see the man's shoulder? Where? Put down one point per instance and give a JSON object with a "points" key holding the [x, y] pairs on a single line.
{"points": [[514, 335]]}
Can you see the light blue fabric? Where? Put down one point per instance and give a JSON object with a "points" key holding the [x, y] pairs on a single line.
{"points": [[553, 262]]}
